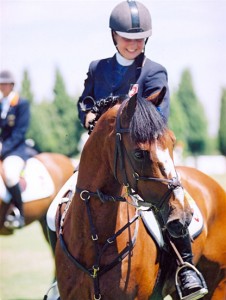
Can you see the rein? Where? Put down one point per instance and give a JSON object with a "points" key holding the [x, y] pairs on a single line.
{"points": [[96, 271]]}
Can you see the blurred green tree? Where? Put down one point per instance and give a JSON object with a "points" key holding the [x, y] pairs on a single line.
{"points": [[66, 130], [222, 125], [54, 125], [177, 120], [41, 129], [195, 122], [26, 91]]}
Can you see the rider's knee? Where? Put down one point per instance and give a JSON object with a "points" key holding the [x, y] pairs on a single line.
{"points": [[12, 167], [10, 182]]}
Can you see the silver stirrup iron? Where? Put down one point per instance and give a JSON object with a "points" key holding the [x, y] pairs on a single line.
{"points": [[52, 293], [196, 295]]}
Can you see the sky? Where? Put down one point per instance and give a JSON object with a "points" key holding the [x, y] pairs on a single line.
{"points": [[44, 35]]}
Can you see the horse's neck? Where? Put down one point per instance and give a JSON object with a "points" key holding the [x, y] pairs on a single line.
{"points": [[103, 214], [96, 175]]}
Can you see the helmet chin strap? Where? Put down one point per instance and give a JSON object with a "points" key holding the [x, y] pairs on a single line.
{"points": [[112, 35]]}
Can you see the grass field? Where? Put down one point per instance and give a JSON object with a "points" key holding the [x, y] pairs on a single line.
{"points": [[26, 264]]}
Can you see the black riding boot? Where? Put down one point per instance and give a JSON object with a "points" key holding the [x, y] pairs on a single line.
{"points": [[190, 281], [18, 221], [52, 239]]}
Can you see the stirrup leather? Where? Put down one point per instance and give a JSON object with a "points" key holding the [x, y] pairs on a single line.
{"points": [[197, 294]]}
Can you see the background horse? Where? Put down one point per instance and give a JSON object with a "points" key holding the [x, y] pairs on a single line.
{"points": [[104, 249], [60, 168]]}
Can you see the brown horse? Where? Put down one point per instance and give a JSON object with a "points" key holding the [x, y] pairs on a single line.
{"points": [[103, 249], [59, 168]]}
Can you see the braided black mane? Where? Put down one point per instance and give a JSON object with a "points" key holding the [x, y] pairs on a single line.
{"points": [[103, 105], [146, 123]]}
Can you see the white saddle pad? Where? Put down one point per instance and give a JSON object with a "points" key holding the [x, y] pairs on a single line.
{"points": [[195, 227], [39, 183]]}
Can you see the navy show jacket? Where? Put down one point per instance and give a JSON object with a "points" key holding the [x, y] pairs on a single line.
{"points": [[100, 82], [13, 129]]}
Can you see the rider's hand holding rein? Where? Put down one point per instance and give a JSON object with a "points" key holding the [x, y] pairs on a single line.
{"points": [[89, 118]]}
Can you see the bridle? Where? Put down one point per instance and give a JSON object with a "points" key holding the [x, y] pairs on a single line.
{"points": [[119, 158]]}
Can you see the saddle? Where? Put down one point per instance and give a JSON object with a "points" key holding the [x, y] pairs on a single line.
{"points": [[35, 182], [153, 228]]}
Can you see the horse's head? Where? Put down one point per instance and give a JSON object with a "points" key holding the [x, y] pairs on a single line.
{"points": [[144, 148], [132, 142]]}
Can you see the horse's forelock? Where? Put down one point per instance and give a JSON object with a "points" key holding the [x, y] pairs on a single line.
{"points": [[146, 124]]}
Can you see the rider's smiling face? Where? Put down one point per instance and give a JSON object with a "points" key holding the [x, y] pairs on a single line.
{"points": [[128, 48]]}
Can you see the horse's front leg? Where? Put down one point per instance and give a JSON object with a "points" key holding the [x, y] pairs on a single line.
{"points": [[4, 207]]}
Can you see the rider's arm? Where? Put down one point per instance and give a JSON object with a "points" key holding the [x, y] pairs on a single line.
{"points": [[86, 101], [154, 77]]}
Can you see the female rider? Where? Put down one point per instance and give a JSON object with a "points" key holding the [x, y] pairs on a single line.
{"points": [[129, 71]]}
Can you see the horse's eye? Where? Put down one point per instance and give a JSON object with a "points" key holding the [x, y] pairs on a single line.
{"points": [[140, 154]]}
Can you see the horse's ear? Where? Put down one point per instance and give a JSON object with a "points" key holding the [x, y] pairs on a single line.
{"points": [[157, 97], [131, 106]]}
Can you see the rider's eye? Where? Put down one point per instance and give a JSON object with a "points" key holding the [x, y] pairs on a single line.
{"points": [[140, 154]]}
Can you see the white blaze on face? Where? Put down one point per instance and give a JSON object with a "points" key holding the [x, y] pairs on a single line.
{"points": [[167, 164], [164, 158]]}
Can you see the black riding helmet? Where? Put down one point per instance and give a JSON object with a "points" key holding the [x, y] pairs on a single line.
{"points": [[132, 20]]}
